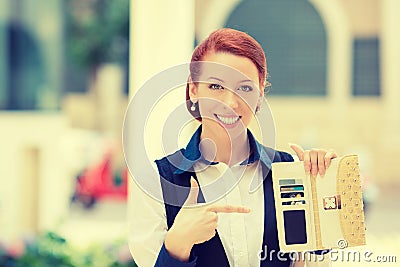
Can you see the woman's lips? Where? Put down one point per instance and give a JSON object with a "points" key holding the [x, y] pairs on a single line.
{"points": [[228, 121]]}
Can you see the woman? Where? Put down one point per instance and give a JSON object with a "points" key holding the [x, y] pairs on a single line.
{"points": [[225, 89]]}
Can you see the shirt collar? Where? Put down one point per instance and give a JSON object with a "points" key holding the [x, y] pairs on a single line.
{"points": [[192, 153]]}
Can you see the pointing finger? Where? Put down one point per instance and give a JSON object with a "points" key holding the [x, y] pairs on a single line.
{"points": [[229, 209]]}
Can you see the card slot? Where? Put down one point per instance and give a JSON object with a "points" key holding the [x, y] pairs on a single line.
{"points": [[293, 199], [287, 181], [294, 202], [288, 188], [296, 194], [290, 181], [293, 191]]}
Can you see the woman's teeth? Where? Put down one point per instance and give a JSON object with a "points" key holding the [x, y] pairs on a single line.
{"points": [[228, 120]]}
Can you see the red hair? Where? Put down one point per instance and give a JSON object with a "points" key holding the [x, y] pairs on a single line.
{"points": [[233, 42]]}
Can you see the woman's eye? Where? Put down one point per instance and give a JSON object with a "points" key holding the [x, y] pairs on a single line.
{"points": [[245, 88], [215, 86]]}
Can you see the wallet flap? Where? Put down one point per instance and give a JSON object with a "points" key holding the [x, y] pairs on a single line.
{"points": [[349, 189]]}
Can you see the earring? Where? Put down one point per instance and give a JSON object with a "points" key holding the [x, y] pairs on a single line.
{"points": [[193, 107], [257, 109]]}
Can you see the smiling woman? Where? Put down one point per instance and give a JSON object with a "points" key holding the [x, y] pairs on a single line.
{"points": [[218, 220], [227, 95]]}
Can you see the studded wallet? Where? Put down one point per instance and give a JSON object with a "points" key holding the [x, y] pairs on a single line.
{"points": [[322, 212]]}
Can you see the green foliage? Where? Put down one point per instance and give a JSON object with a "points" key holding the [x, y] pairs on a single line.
{"points": [[97, 31], [51, 249]]}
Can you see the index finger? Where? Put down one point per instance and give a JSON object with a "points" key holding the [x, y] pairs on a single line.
{"points": [[229, 209]]}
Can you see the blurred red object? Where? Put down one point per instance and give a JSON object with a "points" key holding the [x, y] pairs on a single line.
{"points": [[100, 182]]}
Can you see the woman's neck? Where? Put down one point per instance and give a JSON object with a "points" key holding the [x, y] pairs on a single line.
{"points": [[223, 148]]}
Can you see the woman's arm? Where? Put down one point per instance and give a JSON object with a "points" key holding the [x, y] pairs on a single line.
{"points": [[150, 241], [194, 224], [147, 226]]}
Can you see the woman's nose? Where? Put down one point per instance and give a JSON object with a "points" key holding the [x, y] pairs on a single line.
{"points": [[231, 99]]}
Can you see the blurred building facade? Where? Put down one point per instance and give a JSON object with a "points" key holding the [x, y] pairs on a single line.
{"points": [[333, 67], [344, 95], [350, 101], [50, 129], [32, 171]]}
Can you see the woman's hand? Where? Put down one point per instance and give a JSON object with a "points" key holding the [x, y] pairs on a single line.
{"points": [[194, 225], [315, 160]]}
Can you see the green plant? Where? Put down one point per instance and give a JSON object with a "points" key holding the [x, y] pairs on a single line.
{"points": [[50, 249], [97, 31]]}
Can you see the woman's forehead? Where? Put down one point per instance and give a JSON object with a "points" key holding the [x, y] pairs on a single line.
{"points": [[228, 67]]}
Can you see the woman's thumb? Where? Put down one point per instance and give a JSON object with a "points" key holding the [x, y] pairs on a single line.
{"points": [[193, 193]]}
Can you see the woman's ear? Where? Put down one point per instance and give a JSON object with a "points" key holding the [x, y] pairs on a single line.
{"points": [[260, 99], [192, 90]]}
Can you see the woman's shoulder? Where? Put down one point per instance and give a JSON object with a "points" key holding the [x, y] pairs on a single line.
{"points": [[171, 158], [172, 162]]}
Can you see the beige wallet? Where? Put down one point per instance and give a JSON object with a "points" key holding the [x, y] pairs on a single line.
{"points": [[322, 212]]}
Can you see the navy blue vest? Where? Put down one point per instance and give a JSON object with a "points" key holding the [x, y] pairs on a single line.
{"points": [[212, 253]]}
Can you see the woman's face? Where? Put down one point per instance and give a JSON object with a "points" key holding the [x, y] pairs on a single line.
{"points": [[227, 92]]}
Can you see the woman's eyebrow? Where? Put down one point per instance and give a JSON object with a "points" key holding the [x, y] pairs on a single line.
{"points": [[243, 81], [222, 81], [215, 78]]}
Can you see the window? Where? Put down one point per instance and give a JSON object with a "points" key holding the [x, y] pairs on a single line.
{"points": [[24, 67], [366, 76], [294, 39]]}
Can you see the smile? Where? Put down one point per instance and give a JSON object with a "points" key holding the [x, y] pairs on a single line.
{"points": [[227, 120]]}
